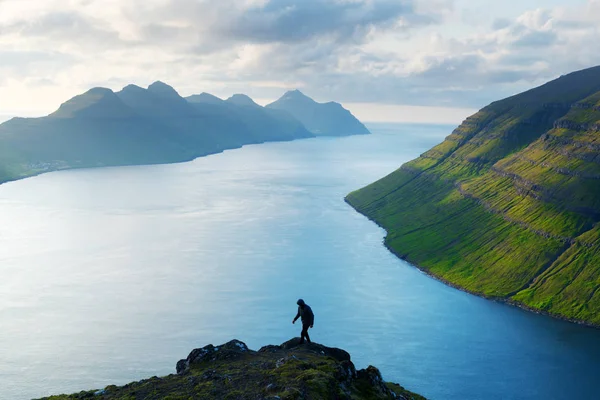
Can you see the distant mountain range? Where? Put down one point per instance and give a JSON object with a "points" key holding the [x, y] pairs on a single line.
{"points": [[157, 125], [508, 206], [329, 119]]}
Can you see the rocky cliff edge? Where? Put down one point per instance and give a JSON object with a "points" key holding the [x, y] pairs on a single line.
{"points": [[284, 372]]}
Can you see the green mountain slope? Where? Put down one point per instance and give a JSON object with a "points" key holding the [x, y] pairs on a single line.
{"points": [[232, 371], [322, 119], [508, 205]]}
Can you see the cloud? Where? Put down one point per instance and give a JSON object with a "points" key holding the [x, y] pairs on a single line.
{"points": [[501, 23], [536, 39], [230, 42], [66, 29], [419, 52], [210, 26], [294, 21], [17, 64], [534, 47], [59, 25]]}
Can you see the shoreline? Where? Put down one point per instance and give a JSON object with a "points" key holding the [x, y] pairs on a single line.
{"points": [[185, 160], [502, 300]]}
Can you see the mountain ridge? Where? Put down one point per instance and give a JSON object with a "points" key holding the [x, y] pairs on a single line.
{"points": [[322, 119], [242, 100], [135, 126], [259, 121], [204, 98], [506, 206], [97, 99]]}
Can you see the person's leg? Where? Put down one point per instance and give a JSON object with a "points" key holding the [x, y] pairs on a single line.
{"points": [[302, 335], [305, 333]]}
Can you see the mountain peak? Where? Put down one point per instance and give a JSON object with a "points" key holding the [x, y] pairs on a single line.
{"points": [[132, 87], [242, 100], [99, 91], [329, 119], [159, 99], [204, 97], [97, 102], [296, 92], [162, 88], [296, 95]]}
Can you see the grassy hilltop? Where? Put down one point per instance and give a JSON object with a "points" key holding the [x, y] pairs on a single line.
{"points": [[232, 371], [508, 205]]}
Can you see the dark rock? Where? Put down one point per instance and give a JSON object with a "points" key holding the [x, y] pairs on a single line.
{"points": [[192, 380], [346, 371], [271, 387], [310, 371], [338, 354], [229, 351], [281, 362], [269, 349], [181, 366], [373, 377]]}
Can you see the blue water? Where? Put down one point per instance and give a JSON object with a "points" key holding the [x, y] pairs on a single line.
{"points": [[112, 275]]}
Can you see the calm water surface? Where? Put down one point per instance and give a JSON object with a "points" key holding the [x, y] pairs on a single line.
{"points": [[112, 275]]}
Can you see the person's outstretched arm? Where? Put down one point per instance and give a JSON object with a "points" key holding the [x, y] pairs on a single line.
{"points": [[297, 316]]}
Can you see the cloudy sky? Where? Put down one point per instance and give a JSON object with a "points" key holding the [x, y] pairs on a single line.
{"points": [[408, 60]]}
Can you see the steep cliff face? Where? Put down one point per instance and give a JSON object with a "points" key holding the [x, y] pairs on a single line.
{"points": [[232, 371], [508, 205]]}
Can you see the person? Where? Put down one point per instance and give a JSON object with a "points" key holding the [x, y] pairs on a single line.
{"points": [[308, 319]]}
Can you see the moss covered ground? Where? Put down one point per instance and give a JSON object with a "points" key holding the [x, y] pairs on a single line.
{"points": [[232, 371]]}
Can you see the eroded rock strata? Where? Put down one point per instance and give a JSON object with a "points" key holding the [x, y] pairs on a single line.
{"points": [[508, 205]]}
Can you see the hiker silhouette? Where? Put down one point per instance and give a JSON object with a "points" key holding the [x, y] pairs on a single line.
{"points": [[307, 317]]}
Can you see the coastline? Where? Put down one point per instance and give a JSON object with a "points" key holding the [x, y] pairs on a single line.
{"points": [[507, 301], [183, 160]]}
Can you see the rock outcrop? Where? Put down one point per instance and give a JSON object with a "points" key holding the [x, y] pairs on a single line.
{"points": [[233, 371]]}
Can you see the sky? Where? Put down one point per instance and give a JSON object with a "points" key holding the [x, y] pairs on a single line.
{"points": [[385, 60]]}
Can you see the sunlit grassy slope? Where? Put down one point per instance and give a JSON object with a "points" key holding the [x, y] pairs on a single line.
{"points": [[508, 205]]}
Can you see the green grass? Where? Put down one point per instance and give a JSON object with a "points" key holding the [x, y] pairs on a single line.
{"points": [[286, 372], [508, 205]]}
